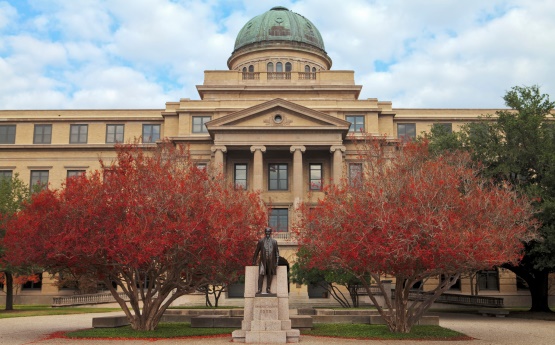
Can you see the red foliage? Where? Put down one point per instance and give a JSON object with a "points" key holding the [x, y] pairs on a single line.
{"points": [[152, 222], [414, 216]]}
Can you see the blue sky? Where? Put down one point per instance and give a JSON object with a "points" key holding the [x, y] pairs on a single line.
{"points": [[81, 54]]}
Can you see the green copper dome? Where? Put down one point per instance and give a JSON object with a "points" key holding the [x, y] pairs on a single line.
{"points": [[279, 24]]}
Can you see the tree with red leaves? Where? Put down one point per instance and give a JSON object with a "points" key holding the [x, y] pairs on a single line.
{"points": [[414, 216], [150, 222]]}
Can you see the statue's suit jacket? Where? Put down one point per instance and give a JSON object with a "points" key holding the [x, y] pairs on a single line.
{"points": [[268, 265]]}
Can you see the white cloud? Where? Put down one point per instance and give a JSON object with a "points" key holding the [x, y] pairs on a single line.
{"points": [[8, 14]]}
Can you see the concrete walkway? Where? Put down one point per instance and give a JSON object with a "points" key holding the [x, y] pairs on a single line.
{"points": [[485, 330]]}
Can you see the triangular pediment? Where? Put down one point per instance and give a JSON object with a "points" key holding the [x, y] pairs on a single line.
{"points": [[275, 114]]}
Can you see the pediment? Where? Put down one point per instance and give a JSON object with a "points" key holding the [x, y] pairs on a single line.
{"points": [[276, 114]]}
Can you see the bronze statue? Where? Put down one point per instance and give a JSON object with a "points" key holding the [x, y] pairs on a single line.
{"points": [[269, 256]]}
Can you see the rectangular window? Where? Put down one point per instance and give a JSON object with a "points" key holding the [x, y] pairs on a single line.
{"points": [[74, 173], [6, 174], [78, 134], [39, 179], [355, 173], [277, 177], [278, 219], [151, 133], [315, 177], [357, 123], [240, 178], [199, 124], [488, 280], [445, 127], [7, 134], [406, 131], [114, 134], [43, 134], [35, 284]]}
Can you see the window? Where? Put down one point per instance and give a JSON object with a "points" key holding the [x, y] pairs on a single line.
{"points": [[199, 124], [313, 69], [277, 179], [278, 219], [7, 134], [244, 70], [114, 134], [406, 131], [288, 67], [151, 133], [307, 69], [5, 174], [78, 134], [357, 123], [444, 127], [34, 284], [251, 68], [43, 134], [279, 67], [488, 280], [355, 173], [270, 67], [74, 173], [240, 178], [315, 177], [39, 179]]}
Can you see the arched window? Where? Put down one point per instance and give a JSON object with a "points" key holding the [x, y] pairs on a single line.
{"points": [[307, 69], [251, 68], [244, 70], [288, 67], [279, 67], [270, 67], [313, 69]]}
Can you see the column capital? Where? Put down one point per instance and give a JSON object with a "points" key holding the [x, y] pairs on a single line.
{"points": [[254, 148], [334, 148], [218, 148], [297, 147]]}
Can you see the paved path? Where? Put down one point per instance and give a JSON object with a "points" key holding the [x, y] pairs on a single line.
{"points": [[485, 330]]}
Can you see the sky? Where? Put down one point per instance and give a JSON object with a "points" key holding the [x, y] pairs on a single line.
{"points": [[111, 54]]}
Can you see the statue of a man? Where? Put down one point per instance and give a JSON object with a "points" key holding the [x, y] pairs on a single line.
{"points": [[269, 255]]}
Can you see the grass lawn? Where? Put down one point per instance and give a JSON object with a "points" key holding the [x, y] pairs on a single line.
{"points": [[363, 331], [41, 310], [164, 330], [181, 330]]}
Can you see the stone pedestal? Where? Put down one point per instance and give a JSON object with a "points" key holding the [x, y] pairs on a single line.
{"points": [[266, 316]]}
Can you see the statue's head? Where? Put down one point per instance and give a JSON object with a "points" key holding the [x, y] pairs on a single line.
{"points": [[268, 231]]}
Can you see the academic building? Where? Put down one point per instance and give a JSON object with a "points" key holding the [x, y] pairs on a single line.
{"points": [[279, 120]]}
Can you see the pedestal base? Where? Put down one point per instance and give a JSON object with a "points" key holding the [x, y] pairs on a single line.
{"points": [[266, 317]]}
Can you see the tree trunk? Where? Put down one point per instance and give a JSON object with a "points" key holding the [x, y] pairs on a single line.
{"points": [[9, 290], [539, 292]]}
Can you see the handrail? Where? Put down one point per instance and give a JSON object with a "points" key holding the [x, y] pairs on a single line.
{"points": [[251, 75], [447, 298], [279, 75], [86, 299]]}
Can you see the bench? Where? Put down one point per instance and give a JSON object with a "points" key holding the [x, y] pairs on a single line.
{"points": [[110, 321]]}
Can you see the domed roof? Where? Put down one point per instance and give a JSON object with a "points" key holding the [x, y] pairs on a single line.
{"points": [[279, 24]]}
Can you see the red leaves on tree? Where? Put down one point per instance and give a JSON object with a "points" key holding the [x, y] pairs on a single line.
{"points": [[150, 221], [415, 216]]}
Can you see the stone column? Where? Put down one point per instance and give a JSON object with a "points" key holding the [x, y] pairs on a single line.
{"points": [[258, 167], [297, 190], [337, 170], [219, 151]]}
